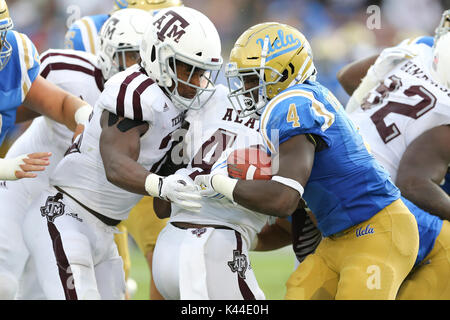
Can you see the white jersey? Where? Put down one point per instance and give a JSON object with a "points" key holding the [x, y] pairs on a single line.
{"points": [[131, 94], [408, 103], [77, 73], [212, 130]]}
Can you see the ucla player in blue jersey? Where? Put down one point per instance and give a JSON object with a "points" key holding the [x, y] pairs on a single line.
{"points": [[21, 85], [83, 33], [370, 237]]}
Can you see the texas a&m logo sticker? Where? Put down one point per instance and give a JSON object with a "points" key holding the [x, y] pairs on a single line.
{"points": [[171, 25]]}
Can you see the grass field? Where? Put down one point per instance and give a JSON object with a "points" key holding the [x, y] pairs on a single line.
{"points": [[272, 269]]}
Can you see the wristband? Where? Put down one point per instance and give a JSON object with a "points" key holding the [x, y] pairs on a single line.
{"points": [[290, 183], [82, 114], [224, 185], [153, 184], [8, 167]]}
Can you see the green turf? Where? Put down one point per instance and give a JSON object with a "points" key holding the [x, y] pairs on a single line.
{"points": [[271, 268]]}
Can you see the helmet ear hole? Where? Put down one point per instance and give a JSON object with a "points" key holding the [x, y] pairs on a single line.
{"points": [[285, 75], [153, 54]]}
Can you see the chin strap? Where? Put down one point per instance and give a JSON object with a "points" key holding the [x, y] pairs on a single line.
{"points": [[265, 49]]}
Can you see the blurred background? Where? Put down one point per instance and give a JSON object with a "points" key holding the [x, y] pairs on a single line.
{"points": [[339, 31]]}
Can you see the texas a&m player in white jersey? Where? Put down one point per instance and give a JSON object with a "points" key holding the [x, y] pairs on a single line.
{"points": [[143, 227], [83, 75], [209, 249], [69, 228], [405, 119], [407, 103]]}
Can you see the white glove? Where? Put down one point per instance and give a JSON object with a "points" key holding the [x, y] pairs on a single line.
{"points": [[217, 184], [204, 181], [391, 57], [387, 60], [176, 189]]}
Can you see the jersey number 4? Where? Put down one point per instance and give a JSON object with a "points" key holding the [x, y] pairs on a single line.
{"points": [[426, 103]]}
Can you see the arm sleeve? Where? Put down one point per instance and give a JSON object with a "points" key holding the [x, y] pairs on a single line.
{"points": [[299, 114]]}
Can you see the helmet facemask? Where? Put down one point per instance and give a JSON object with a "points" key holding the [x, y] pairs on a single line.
{"points": [[195, 71], [119, 57], [444, 26], [248, 88], [5, 46]]}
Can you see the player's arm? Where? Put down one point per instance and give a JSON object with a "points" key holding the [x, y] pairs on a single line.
{"points": [[48, 99], [279, 196], [274, 236], [24, 114], [422, 168], [120, 148], [162, 208], [350, 76]]}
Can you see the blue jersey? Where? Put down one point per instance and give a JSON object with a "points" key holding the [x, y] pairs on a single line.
{"points": [[346, 186], [16, 78], [83, 33], [429, 228]]}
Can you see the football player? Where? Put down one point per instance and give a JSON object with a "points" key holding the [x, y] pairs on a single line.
{"points": [[142, 224], [368, 231], [69, 228], [404, 116], [83, 33], [209, 249], [21, 84], [81, 74]]}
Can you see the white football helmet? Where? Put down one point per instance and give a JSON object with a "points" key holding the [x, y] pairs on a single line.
{"points": [[182, 34], [5, 25], [440, 68], [121, 33]]}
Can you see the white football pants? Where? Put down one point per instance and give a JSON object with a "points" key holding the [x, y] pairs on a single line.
{"points": [[202, 264], [74, 252]]}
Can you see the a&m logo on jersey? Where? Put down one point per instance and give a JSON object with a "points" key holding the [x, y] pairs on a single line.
{"points": [[169, 24], [239, 263], [53, 208], [280, 45]]}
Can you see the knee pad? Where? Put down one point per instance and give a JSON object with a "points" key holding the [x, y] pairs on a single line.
{"points": [[8, 286]]}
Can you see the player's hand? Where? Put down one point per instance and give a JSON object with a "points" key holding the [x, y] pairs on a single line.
{"points": [[182, 192], [204, 181], [206, 190], [25, 166], [389, 58]]}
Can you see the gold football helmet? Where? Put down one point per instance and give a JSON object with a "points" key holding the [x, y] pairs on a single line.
{"points": [[5, 25], [148, 5], [265, 60], [444, 25]]}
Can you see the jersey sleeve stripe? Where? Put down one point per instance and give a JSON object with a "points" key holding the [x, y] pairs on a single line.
{"points": [[266, 116], [58, 54], [137, 108], [90, 34], [65, 66], [26, 51], [120, 104]]}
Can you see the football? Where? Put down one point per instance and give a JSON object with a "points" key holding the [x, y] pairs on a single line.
{"points": [[249, 164]]}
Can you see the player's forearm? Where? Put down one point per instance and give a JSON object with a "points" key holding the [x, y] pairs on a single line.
{"points": [[427, 195], [48, 99], [267, 197], [72, 109], [350, 76], [125, 173]]}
